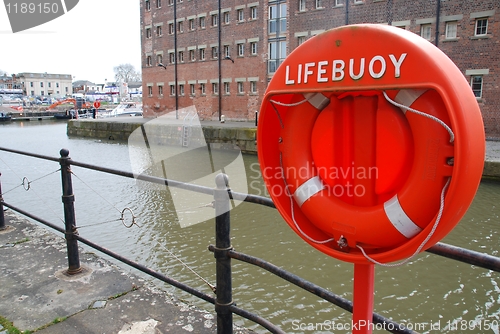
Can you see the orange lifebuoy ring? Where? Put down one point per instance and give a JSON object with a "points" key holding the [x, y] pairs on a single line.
{"points": [[391, 139], [397, 215]]}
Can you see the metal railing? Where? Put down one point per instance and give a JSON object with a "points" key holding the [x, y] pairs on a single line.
{"points": [[223, 249]]}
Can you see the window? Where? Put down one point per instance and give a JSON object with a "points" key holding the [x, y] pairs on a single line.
{"points": [[253, 12], [31, 84], [215, 20], [171, 28], [426, 31], [241, 50], [180, 26], [339, 3], [42, 93], [318, 4], [358, 1], [451, 30], [172, 90], [148, 5], [202, 22], [57, 84], [277, 53], [202, 54], [481, 27], [149, 62], [181, 56], [170, 2], [227, 51], [240, 15], [191, 89], [226, 17], [158, 31], [159, 59], [41, 84], [181, 90], [301, 39], [160, 90], [302, 5], [148, 32], [191, 55], [215, 88], [215, 52], [226, 88], [203, 89], [476, 83], [150, 90], [240, 87], [253, 87], [158, 3], [253, 48], [277, 18], [191, 24], [49, 84], [32, 93], [171, 57]]}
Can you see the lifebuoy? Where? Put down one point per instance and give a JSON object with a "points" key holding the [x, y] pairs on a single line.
{"points": [[347, 208], [361, 104]]}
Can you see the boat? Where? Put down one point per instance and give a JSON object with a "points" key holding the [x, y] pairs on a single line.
{"points": [[4, 117], [124, 109]]}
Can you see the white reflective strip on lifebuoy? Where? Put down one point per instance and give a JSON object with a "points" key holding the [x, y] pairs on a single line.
{"points": [[406, 97], [317, 100], [399, 219], [308, 189]]}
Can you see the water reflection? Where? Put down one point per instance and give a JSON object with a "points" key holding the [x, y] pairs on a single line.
{"points": [[428, 290]]}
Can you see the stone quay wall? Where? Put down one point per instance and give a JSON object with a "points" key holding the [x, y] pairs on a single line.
{"points": [[221, 137]]}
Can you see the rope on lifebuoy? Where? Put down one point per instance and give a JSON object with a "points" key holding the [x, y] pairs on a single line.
{"points": [[431, 232], [443, 124], [290, 196]]}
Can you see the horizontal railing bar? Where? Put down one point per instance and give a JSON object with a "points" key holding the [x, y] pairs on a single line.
{"points": [[154, 179], [343, 303], [120, 258], [257, 319], [466, 255]]}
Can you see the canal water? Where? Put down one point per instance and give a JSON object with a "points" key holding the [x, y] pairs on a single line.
{"points": [[430, 294]]}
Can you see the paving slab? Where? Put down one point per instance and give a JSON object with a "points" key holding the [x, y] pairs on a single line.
{"points": [[37, 294]]}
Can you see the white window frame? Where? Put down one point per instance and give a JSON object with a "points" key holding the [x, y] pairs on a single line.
{"points": [[426, 31], [253, 48], [253, 13], [451, 30], [253, 87], [241, 50], [478, 93], [240, 15], [302, 5], [241, 89], [478, 20]]}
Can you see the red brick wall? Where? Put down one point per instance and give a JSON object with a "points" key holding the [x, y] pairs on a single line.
{"points": [[235, 106], [467, 52]]}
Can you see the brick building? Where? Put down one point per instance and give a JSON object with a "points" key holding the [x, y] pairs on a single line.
{"points": [[255, 36]]}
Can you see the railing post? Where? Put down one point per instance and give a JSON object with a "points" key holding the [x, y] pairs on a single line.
{"points": [[224, 293], [68, 200], [2, 217]]}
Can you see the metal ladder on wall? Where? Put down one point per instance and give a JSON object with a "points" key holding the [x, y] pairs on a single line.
{"points": [[187, 128]]}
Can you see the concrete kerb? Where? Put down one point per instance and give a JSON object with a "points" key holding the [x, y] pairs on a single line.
{"points": [[36, 294]]}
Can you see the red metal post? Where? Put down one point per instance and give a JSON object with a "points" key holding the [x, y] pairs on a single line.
{"points": [[362, 315]]}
